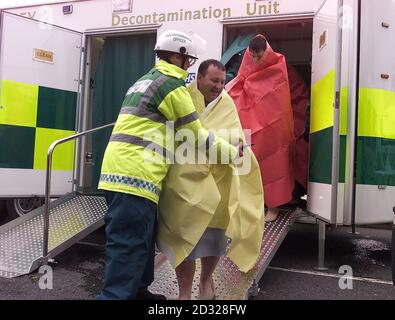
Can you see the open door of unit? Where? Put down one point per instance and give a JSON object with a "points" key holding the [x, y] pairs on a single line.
{"points": [[39, 86], [324, 119]]}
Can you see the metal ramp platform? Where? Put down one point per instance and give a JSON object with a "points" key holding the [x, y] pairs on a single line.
{"points": [[230, 283], [71, 219]]}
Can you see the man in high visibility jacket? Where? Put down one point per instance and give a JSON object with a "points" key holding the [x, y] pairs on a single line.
{"points": [[137, 159]]}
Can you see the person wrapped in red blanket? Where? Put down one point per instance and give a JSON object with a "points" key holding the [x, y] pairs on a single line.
{"points": [[299, 100], [262, 96]]}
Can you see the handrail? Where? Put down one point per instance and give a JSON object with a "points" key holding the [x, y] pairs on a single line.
{"points": [[48, 182]]}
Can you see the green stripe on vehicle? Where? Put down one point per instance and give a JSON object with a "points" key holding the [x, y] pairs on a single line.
{"points": [[320, 164], [376, 161], [17, 147], [56, 109], [342, 158]]}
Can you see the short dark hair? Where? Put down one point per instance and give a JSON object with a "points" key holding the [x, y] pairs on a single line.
{"points": [[211, 62], [164, 55], [258, 43]]}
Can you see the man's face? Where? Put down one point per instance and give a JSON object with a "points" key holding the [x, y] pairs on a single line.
{"points": [[212, 83], [257, 55]]}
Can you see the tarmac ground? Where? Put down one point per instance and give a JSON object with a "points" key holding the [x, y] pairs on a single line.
{"points": [[365, 256]]}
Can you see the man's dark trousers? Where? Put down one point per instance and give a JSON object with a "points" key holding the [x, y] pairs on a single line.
{"points": [[130, 250]]}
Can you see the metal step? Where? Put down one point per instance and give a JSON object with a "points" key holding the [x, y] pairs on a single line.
{"points": [[230, 283], [71, 219]]}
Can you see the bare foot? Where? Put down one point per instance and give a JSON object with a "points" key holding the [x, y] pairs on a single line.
{"points": [[272, 214], [207, 290]]}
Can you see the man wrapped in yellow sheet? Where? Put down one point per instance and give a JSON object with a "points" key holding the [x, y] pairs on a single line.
{"points": [[202, 205]]}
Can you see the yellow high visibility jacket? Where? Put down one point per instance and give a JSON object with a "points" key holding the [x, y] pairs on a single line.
{"points": [[141, 147], [198, 196]]}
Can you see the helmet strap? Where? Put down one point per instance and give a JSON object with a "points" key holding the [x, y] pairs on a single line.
{"points": [[184, 60]]}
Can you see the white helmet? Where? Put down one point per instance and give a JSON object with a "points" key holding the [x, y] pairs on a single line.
{"points": [[177, 42]]}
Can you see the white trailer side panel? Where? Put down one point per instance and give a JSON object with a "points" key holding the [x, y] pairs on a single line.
{"points": [[39, 80]]}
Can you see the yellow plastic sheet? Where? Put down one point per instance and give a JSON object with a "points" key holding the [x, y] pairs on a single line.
{"points": [[195, 197]]}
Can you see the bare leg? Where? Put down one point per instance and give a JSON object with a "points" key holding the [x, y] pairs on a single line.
{"points": [[206, 285], [271, 214], [185, 273]]}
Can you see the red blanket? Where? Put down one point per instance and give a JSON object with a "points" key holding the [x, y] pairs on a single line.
{"points": [[299, 100], [262, 96]]}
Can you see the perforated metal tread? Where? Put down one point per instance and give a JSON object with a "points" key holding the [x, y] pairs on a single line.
{"points": [[71, 219], [230, 283]]}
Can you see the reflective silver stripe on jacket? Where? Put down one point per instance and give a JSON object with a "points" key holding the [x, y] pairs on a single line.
{"points": [[120, 137], [143, 113], [186, 119], [140, 86], [151, 90]]}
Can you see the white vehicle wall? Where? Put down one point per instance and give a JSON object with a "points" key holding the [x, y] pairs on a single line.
{"points": [[345, 65]]}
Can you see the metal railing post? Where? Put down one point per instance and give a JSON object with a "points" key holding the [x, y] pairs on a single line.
{"points": [[321, 247], [48, 184]]}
